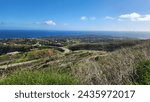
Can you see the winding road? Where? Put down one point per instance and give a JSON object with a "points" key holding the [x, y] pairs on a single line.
{"points": [[65, 50]]}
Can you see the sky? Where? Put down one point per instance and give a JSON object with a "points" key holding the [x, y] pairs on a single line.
{"points": [[99, 15]]}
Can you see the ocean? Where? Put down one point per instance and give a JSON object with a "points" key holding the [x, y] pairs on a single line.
{"points": [[11, 34]]}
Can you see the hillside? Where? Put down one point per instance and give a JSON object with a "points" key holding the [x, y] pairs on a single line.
{"points": [[114, 62]]}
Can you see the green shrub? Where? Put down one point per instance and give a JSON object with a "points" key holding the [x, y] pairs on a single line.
{"points": [[143, 73], [38, 78]]}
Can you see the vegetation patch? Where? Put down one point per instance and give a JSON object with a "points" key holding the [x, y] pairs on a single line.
{"points": [[38, 78], [35, 54], [142, 76]]}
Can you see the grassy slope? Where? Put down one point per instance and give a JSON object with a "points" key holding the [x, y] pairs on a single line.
{"points": [[89, 67], [38, 78]]}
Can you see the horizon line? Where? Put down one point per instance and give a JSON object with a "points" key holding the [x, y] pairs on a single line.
{"points": [[76, 30]]}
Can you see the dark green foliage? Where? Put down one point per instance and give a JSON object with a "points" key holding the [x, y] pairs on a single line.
{"points": [[104, 47], [6, 48], [143, 73]]}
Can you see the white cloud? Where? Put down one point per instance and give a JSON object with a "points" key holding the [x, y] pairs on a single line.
{"points": [[134, 17], [145, 18], [50, 23], [109, 18], [83, 18]]}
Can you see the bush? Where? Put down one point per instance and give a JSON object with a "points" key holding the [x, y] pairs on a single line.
{"points": [[38, 78], [143, 73]]}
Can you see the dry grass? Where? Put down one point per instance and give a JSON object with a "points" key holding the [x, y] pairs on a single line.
{"points": [[101, 68], [117, 67]]}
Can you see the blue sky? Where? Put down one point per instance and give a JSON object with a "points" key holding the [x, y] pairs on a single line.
{"points": [[112, 15]]}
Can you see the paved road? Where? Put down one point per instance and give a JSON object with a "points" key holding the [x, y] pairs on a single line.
{"points": [[65, 50]]}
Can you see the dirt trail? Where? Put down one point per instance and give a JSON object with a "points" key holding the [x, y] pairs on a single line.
{"points": [[91, 58], [17, 64]]}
